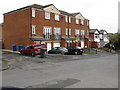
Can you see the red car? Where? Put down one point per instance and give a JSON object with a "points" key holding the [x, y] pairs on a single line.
{"points": [[33, 49]]}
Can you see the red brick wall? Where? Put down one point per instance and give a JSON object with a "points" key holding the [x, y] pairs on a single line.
{"points": [[16, 28], [18, 25], [40, 21]]}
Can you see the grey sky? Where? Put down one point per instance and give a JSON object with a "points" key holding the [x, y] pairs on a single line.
{"points": [[103, 14]]}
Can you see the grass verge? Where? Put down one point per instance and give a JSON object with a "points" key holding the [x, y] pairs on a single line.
{"points": [[89, 53]]}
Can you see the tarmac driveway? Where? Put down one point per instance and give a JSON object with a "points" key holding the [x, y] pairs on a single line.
{"points": [[22, 61]]}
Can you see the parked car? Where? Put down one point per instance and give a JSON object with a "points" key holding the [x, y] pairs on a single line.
{"points": [[75, 50], [33, 49], [58, 50]]}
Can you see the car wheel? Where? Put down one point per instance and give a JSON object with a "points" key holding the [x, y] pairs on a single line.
{"points": [[76, 53], [33, 54]]}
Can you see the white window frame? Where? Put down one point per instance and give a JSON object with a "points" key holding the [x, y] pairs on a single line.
{"points": [[82, 22], [69, 19], [77, 21], [47, 29], [33, 12], [56, 17], [66, 18], [69, 31], [47, 15], [57, 30], [33, 29], [66, 31], [77, 32], [82, 32]]}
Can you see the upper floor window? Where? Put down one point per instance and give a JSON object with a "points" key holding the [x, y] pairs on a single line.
{"points": [[68, 31], [77, 21], [69, 19], [82, 32], [47, 32], [82, 22], [57, 31], [47, 15], [96, 36], [56, 17], [33, 29], [66, 18], [33, 12], [77, 33]]}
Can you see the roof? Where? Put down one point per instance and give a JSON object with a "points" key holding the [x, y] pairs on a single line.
{"points": [[42, 7], [102, 31], [92, 31]]}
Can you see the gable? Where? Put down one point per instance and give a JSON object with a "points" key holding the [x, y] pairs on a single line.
{"points": [[79, 16], [105, 32], [52, 9], [96, 32]]}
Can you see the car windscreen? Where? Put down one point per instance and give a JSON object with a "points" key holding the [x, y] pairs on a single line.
{"points": [[29, 47], [62, 48], [37, 46]]}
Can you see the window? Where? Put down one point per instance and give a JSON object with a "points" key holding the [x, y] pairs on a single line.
{"points": [[82, 32], [67, 31], [47, 15], [77, 33], [69, 19], [57, 31], [33, 29], [56, 17], [66, 18], [77, 21], [33, 12], [47, 32], [82, 22]]}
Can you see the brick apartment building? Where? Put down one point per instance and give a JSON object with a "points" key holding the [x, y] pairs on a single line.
{"points": [[1, 41], [45, 25]]}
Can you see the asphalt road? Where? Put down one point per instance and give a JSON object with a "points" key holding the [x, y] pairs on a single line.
{"points": [[101, 72]]}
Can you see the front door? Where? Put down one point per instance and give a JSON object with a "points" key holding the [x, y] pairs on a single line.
{"points": [[82, 44], [48, 46]]}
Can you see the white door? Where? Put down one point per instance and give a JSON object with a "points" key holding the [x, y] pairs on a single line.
{"points": [[48, 46], [56, 44], [82, 44]]}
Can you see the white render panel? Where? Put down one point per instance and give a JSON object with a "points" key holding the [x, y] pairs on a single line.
{"points": [[56, 44]]}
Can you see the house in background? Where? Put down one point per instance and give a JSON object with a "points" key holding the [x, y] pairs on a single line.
{"points": [[99, 38], [103, 38], [94, 35], [1, 39], [45, 25]]}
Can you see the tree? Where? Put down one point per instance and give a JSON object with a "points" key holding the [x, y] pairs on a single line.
{"points": [[115, 41]]}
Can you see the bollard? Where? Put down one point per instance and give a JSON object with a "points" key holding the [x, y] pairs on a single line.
{"points": [[43, 52]]}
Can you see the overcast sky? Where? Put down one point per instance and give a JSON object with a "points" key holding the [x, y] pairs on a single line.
{"points": [[103, 14]]}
